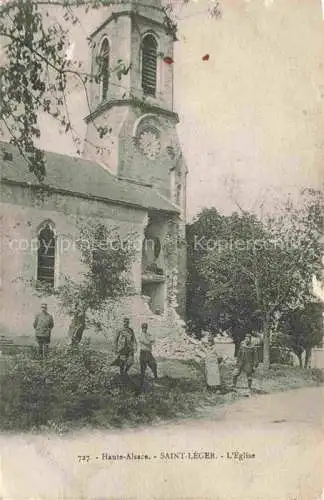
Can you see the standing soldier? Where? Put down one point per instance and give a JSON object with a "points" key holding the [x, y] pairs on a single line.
{"points": [[146, 342], [247, 360], [125, 346], [43, 326]]}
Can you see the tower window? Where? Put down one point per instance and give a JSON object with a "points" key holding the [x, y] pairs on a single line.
{"points": [[104, 68], [46, 255], [149, 65]]}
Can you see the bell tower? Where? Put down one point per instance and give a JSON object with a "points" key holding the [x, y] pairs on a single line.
{"points": [[131, 129]]}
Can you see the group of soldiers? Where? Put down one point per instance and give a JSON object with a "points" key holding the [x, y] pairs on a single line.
{"points": [[125, 342], [126, 345]]}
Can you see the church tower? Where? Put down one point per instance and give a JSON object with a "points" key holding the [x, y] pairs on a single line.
{"points": [[131, 127]]}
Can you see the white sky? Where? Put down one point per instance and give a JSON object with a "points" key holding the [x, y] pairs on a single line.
{"points": [[254, 111]]}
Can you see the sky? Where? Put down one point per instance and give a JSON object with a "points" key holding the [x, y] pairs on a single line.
{"points": [[252, 115]]}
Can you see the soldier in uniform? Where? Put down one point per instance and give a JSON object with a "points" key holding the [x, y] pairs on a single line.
{"points": [[247, 360], [125, 347], [43, 326], [146, 342]]}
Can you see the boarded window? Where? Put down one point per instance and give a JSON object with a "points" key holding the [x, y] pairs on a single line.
{"points": [[104, 68], [46, 256], [149, 65]]}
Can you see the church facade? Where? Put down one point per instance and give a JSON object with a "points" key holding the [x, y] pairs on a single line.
{"points": [[130, 176]]}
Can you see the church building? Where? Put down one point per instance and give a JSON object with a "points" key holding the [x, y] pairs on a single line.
{"points": [[131, 177]]}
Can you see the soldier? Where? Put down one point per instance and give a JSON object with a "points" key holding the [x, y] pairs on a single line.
{"points": [[146, 342], [125, 346], [43, 326], [247, 360]]}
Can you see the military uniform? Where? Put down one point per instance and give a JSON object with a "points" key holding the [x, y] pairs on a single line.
{"points": [[43, 326], [125, 344], [146, 357], [247, 361]]}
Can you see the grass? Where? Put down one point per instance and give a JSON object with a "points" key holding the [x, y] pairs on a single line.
{"points": [[179, 393]]}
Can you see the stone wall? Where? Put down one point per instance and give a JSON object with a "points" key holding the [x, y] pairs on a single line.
{"points": [[22, 213]]}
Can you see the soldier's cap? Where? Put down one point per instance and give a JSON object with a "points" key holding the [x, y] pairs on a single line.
{"points": [[144, 325], [43, 304]]}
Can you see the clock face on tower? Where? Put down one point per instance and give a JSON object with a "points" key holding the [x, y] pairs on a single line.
{"points": [[149, 143]]}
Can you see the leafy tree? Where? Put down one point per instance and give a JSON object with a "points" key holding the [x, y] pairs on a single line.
{"points": [[304, 328], [216, 246], [244, 265], [291, 258], [107, 260], [209, 222]]}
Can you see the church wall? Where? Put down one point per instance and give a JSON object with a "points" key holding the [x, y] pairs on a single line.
{"points": [[121, 154], [134, 164], [108, 156], [22, 212], [117, 33]]}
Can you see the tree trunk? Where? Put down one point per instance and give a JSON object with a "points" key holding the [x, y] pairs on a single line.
{"points": [[266, 348], [308, 355], [237, 346], [300, 359]]}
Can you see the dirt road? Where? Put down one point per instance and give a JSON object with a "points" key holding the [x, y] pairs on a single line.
{"points": [[266, 447]]}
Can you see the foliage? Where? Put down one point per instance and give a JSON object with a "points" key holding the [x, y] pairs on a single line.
{"points": [[66, 386], [250, 272], [71, 389], [219, 259], [106, 258], [303, 329]]}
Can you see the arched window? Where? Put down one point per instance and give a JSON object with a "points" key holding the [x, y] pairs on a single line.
{"points": [[104, 68], [46, 255], [149, 65]]}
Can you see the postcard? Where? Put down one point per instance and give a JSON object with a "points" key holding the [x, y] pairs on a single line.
{"points": [[162, 252]]}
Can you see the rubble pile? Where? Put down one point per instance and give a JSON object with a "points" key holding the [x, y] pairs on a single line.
{"points": [[178, 346]]}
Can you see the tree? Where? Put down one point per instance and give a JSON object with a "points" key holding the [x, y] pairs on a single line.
{"points": [[304, 328], [219, 293], [107, 259], [200, 317], [264, 265]]}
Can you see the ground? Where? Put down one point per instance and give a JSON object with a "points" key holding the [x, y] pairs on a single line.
{"points": [[284, 431]]}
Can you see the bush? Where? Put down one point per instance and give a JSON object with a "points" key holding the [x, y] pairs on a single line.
{"points": [[66, 386], [72, 389]]}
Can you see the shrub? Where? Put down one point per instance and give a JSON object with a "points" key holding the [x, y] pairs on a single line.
{"points": [[64, 387]]}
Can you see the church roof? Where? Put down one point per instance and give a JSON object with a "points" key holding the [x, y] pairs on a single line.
{"points": [[81, 178]]}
